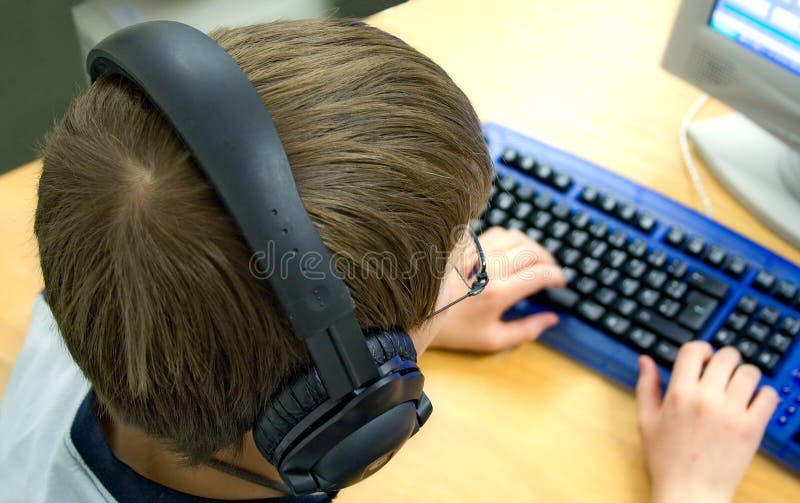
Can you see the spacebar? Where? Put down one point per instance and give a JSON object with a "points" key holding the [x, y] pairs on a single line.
{"points": [[663, 326]]}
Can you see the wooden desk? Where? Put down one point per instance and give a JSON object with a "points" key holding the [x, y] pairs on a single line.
{"points": [[530, 424]]}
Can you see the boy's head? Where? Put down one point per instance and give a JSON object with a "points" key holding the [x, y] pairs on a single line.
{"points": [[147, 275]]}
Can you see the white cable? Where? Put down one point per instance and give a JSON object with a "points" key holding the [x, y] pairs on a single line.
{"points": [[688, 161]]}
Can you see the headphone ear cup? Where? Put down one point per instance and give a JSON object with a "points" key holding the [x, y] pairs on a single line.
{"points": [[303, 392]]}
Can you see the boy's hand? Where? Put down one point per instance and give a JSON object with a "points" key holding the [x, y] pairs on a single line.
{"points": [[700, 440], [518, 267]]}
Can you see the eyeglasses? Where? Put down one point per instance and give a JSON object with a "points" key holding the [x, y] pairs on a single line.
{"points": [[481, 277]]}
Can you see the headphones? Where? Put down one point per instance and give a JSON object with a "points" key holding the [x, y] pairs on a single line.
{"points": [[344, 418]]}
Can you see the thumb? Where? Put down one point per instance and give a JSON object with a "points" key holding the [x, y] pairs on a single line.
{"points": [[513, 333], [648, 390]]}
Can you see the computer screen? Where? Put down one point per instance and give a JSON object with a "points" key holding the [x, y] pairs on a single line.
{"points": [[770, 28]]}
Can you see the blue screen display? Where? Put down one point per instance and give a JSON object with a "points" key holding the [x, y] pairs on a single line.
{"points": [[770, 28]]}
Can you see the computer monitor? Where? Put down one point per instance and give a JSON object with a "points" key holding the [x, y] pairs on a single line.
{"points": [[746, 53]]}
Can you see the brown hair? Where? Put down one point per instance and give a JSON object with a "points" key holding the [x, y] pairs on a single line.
{"points": [[146, 273]]}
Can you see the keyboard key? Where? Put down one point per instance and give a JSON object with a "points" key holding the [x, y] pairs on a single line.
{"points": [[769, 315], [736, 266], [697, 311], [785, 291], [543, 201], [563, 298], [535, 234], [617, 239], [747, 347], [663, 326], [561, 211], [637, 248], [615, 324], [525, 193], [675, 237], [675, 289], [747, 304], [695, 246], [605, 296], [590, 310], [668, 308], [568, 256], [767, 361], [646, 222], [764, 281], [541, 219], [608, 203], [515, 224], [757, 332], [504, 201], [723, 337], [736, 321], [591, 196], [626, 212], [708, 284], [716, 255], [642, 338], [657, 258], [526, 164], [496, 217], [543, 172], [570, 275], [647, 297], [655, 278], [589, 266], [579, 220], [552, 245], [578, 238], [666, 352], [558, 229], [596, 248], [586, 285], [779, 342], [509, 157], [598, 229], [562, 182], [615, 258], [677, 268], [522, 210], [790, 326], [626, 307], [628, 287], [635, 268], [608, 276]]}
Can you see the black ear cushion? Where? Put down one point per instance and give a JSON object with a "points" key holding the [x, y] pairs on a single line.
{"points": [[303, 391]]}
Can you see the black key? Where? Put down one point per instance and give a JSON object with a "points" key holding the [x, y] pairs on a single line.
{"points": [[590, 310], [608, 276], [579, 220], [615, 258], [526, 164], [666, 352], [736, 321], [608, 203], [647, 297], [758, 332], [716, 255], [723, 337], [507, 183], [779, 342], [510, 157], [747, 347], [541, 219], [561, 211], [570, 274], [598, 229], [596, 248], [558, 229], [543, 172], [628, 287], [675, 289], [637, 248], [675, 237], [523, 210], [708, 284], [657, 258], [535, 234], [626, 307], [578, 238], [504, 201], [477, 226], [605, 296], [642, 338], [668, 308], [677, 268], [543, 201], [697, 311], [552, 245], [736, 266], [562, 182], [589, 266], [747, 304], [646, 222], [767, 360], [617, 239], [586, 285], [515, 224], [525, 193], [785, 291], [764, 281], [663, 326], [769, 315], [496, 217], [626, 212], [590, 195], [695, 246], [568, 256], [635, 268], [563, 298], [615, 324], [790, 326], [655, 278]]}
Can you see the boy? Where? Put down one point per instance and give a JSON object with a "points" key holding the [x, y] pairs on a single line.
{"points": [[149, 286]]}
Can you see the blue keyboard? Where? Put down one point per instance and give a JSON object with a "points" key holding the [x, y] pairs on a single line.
{"points": [[645, 274]]}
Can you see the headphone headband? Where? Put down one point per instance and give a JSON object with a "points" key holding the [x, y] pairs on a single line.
{"points": [[191, 79]]}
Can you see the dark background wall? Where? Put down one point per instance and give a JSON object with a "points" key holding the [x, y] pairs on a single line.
{"points": [[41, 68]]}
